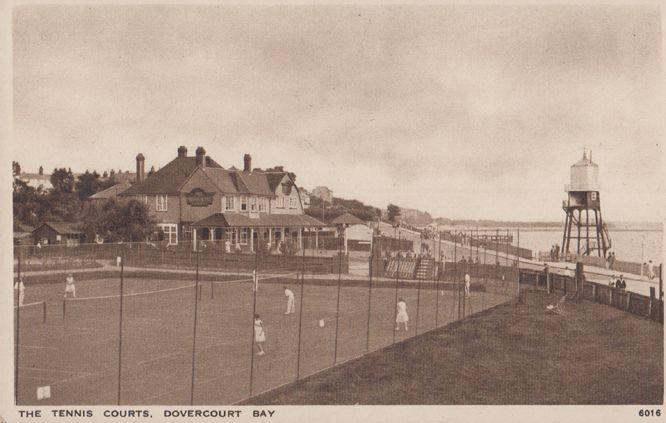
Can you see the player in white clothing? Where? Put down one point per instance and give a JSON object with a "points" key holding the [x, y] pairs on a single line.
{"points": [[401, 316], [21, 290], [69, 286], [468, 281], [290, 300], [259, 334]]}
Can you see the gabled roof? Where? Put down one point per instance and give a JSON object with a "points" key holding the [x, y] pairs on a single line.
{"points": [[237, 220], [347, 219], [111, 191], [60, 227], [255, 183], [168, 179], [274, 179]]}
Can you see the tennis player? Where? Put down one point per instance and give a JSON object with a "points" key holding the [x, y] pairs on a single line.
{"points": [[402, 316], [468, 281], [259, 334], [69, 286], [290, 300], [21, 290]]}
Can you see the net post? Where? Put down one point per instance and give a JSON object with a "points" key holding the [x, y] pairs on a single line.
{"points": [[194, 328], [120, 327]]}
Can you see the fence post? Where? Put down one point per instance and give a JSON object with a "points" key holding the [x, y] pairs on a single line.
{"points": [[254, 313], [651, 303], [120, 326], [337, 307], [594, 292], [629, 301], [194, 329], [18, 313], [367, 334], [300, 323]]}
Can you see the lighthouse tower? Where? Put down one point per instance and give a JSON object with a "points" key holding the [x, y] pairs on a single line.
{"points": [[581, 235]]}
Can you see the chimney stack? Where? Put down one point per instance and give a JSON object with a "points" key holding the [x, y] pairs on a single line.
{"points": [[182, 151], [140, 174], [247, 163], [201, 157]]}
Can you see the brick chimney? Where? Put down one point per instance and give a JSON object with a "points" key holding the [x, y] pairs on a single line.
{"points": [[182, 151], [247, 163], [140, 172], [201, 157]]}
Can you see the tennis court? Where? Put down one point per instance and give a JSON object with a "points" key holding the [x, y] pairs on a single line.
{"points": [[73, 346]]}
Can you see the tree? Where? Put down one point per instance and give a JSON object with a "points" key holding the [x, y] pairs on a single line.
{"points": [[16, 168], [118, 221], [62, 180], [87, 184], [393, 212]]}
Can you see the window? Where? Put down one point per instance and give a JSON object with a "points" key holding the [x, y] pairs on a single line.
{"points": [[243, 203], [292, 202], [253, 204], [594, 196], [280, 202], [229, 200], [243, 236], [229, 235], [170, 231], [143, 198], [262, 205], [161, 202]]}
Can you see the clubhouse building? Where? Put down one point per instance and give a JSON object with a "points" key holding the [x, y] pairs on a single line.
{"points": [[194, 199]]}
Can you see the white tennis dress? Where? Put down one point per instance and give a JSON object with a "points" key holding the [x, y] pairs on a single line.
{"points": [[290, 300], [402, 316], [69, 284], [259, 333]]}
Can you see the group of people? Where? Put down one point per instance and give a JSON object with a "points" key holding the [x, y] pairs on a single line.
{"points": [[555, 252], [610, 260], [70, 288], [649, 267], [618, 283]]}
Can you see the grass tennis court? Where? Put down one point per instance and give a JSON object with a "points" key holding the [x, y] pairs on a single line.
{"points": [[75, 351]]}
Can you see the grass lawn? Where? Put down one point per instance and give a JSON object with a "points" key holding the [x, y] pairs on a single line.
{"points": [[512, 354]]}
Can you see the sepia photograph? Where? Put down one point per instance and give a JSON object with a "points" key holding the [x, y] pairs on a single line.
{"points": [[245, 207]]}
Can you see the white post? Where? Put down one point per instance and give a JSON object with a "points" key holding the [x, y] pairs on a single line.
{"points": [[210, 230], [270, 236], [300, 238], [194, 239], [251, 240], [345, 239], [317, 238]]}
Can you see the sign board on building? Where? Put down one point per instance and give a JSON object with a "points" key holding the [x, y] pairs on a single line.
{"points": [[199, 198]]}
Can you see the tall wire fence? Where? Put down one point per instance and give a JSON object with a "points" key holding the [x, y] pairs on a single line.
{"points": [[183, 325]]}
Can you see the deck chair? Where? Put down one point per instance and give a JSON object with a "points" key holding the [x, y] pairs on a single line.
{"points": [[559, 307]]}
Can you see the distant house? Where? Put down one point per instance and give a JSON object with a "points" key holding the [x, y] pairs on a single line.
{"points": [[36, 180], [22, 233], [51, 233], [111, 192], [323, 193], [305, 198]]}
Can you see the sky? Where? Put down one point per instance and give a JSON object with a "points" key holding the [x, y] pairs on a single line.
{"points": [[462, 111]]}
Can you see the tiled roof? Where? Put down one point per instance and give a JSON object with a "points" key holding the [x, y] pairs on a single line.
{"points": [[61, 227], [255, 183], [235, 220], [168, 179], [347, 219], [111, 192], [274, 179]]}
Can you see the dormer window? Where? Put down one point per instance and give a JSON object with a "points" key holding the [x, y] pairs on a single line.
{"points": [[253, 204], [229, 203], [243, 203], [262, 205]]}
